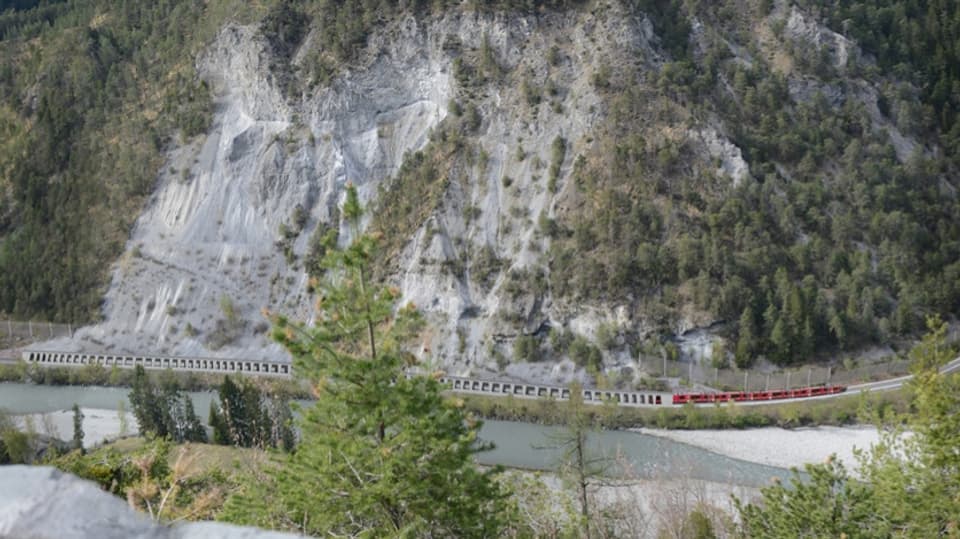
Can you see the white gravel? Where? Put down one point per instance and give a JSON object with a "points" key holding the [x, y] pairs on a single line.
{"points": [[99, 425], [779, 447]]}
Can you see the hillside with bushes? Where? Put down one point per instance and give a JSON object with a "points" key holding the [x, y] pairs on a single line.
{"points": [[549, 180]]}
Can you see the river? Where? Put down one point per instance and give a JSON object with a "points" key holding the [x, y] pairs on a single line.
{"points": [[518, 445]]}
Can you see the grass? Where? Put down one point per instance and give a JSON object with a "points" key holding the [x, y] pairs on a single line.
{"points": [[202, 458], [844, 410], [198, 477], [98, 375]]}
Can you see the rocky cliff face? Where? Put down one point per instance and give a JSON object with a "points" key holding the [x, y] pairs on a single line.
{"points": [[224, 234], [228, 229], [208, 253]]}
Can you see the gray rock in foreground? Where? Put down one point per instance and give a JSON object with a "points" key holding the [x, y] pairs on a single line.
{"points": [[41, 502]]}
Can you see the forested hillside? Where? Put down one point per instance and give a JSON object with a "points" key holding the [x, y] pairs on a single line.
{"points": [[91, 93], [786, 168], [838, 238]]}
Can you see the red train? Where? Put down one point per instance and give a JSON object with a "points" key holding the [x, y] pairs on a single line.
{"points": [[739, 396]]}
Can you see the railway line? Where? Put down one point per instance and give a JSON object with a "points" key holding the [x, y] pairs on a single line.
{"points": [[495, 388]]}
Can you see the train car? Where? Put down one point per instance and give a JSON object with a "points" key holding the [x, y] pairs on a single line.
{"points": [[741, 396]]}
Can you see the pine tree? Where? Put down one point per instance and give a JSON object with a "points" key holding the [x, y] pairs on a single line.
{"points": [[164, 412], [258, 424], [248, 417], [146, 405], [381, 453], [780, 339], [221, 434], [826, 504], [906, 486], [580, 464], [77, 428], [236, 424], [193, 431], [282, 434], [746, 340]]}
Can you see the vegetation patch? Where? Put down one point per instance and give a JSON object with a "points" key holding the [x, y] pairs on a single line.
{"points": [[831, 242], [82, 146], [847, 410]]}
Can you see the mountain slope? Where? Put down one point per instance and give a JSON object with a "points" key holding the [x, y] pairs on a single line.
{"points": [[580, 182]]}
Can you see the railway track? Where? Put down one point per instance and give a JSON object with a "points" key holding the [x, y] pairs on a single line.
{"points": [[495, 388]]}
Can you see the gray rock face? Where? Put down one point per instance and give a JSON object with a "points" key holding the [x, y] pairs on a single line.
{"points": [[210, 234], [44, 503], [229, 225]]}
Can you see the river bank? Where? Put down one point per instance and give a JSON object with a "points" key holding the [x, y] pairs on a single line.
{"points": [[99, 425], [638, 506], [782, 448], [116, 377], [649, 503], [840, 411]]}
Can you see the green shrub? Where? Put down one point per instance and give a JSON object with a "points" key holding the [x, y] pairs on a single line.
{"points": [[558, 152], [584, 353], [526, 348]]}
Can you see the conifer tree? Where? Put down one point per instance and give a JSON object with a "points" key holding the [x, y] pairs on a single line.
{"points": [[580, 464], [381, 453], [906, 486], [236, 421], [746, 340], [247, 417], [146, 403], [221, 434], [77, 428], [193, 430], [164, 412]]}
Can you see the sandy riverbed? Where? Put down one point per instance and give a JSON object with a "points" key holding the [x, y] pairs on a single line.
{"points": [[98, 424], [779, 447]]}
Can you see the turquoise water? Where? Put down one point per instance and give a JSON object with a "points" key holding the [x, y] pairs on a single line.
{"points": [[520, 445]]}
